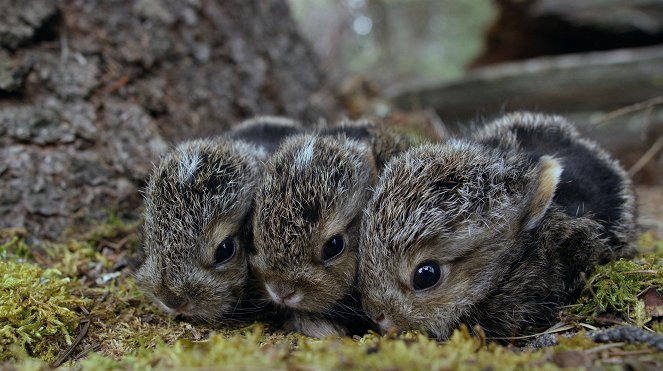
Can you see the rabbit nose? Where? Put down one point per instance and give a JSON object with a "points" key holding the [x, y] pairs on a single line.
{"points": [[383, 322], [288, 296], [175, 303], [283, 295]]}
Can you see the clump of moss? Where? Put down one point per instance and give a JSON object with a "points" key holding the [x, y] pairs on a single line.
{"points": [[256, 350], [130, 333], [123, 321], [614, 287], [648, 244], [15, 248], [38, 309], [74, 258]]}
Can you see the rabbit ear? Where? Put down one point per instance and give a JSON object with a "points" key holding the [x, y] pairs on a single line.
{"points": [[549, 171]]}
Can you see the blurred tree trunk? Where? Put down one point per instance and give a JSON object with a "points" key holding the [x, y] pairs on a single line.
{"points": [[91, 92]]}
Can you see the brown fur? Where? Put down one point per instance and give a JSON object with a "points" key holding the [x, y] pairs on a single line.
{"points": [[509, 251], [314, 188], [586, 164], [199, 194], [384, 143]]}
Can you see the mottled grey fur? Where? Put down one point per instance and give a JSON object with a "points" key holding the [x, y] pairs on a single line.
{"points": [[199, 193], [315, 187], [488, 213], [384, 143], [599, 180]]}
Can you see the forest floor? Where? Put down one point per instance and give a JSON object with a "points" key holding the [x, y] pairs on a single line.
{"points": [[76, 305]]}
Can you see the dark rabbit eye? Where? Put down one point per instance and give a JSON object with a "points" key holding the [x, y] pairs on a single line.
{"points": [[224, 251], [332, 248], [426, 275]]}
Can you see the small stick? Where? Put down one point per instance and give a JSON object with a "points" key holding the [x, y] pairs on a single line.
{"points": [[648, 272], [81, 334], [651, 152], [93, 348], [628, 109], [553, 330], [604, 347]]}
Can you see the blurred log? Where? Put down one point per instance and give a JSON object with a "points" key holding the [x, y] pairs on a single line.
{"points": [[581, 86], [531, 28], [580, 82]]}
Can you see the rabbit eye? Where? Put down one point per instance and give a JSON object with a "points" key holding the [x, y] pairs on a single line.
{"points": [[224, 251], [333, 248], [426, 275]]}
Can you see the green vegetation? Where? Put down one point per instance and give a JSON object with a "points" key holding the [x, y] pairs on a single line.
{"points": [[617, 287], [38, 310], [396, 40], [49, 291], [254, 349]]}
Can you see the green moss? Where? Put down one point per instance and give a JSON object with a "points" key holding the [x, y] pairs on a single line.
{"points": [[253, 349], [15, 248], [124, 321], [37, 309], [128, 332], [648, 244], [614, 287], [113, 228]]}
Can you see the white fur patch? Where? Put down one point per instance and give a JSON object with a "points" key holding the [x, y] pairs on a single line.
{"points": [[188, 166], [304, 156], [272, 294], [551, 172]]}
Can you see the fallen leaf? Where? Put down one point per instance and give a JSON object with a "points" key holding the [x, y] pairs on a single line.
{"points": [[653, 301]]}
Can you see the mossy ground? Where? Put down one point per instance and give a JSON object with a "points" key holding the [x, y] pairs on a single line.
{"points": [[76, 303]]}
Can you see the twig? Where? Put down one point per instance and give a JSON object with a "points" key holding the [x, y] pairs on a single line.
{"points": [[116, 246], [81, 334], [560, 327], [628, 109], [94, 347], [626, 353], [648, 272], [651, 152], [604, 347], [588, 326]]}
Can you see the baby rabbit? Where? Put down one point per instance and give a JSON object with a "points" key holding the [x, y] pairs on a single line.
{"points": [[496, 233], [306, 224], [197, 208]]}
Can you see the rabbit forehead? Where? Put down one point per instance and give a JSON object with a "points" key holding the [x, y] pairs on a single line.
{"points": [[312, 188], [195, 188], [450, 192]]}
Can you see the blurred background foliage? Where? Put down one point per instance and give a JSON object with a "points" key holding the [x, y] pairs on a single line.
{"points": [[392, 41]]}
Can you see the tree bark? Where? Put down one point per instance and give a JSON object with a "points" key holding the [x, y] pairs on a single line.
{"points": [[91, 92]]}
